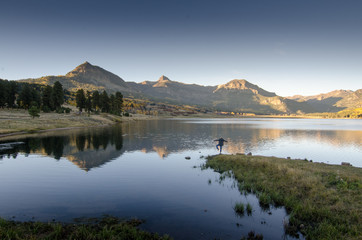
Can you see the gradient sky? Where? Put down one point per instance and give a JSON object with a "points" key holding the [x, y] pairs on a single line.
{"points": [[288, 47]]}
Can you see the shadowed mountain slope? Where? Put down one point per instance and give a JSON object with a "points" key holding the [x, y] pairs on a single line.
{"points": [[237, 95]]}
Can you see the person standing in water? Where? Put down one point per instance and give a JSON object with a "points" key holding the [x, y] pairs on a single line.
{"points": [[220, 144]]}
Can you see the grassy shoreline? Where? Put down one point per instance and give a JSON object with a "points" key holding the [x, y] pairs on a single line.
{"points": [[324, 201], [17, 122], [94, 229]]}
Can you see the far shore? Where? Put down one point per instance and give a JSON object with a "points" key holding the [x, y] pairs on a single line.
{"points": [[18, 121]]}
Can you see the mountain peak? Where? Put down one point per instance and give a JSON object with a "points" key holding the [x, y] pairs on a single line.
{"points": [[83, 68], [162, 81], [87, 73], [163, 78], [239, 84], [243, 85]]}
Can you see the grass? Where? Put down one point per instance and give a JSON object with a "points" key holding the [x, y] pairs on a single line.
{"points": [[104, 228], [249, 209], [19, 121], [324, 201], [239, 208]]}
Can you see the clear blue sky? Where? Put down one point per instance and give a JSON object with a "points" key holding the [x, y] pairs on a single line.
{"points": [[288, 47]]}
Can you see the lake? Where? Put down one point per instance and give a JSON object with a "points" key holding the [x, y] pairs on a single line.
{"points": [[139, 169]]}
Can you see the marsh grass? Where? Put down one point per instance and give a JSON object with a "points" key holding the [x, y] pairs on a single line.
{"points": [[324, 201], [249, 209], [104, 228], [239, 208]]}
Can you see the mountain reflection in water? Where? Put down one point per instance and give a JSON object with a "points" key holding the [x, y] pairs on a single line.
{"points": [[139, 169], [93, 147]]}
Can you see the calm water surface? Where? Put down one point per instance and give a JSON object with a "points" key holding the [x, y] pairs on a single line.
{"points": [[139, 170]]}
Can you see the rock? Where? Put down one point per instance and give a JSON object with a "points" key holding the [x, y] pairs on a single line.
{"points": [[240, 153], [188, 158], [288, 158], [346, 164], [10, 145], [249, 154]]}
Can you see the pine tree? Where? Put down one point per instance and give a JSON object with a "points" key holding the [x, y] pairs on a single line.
{"points": [[104, 101], [80, 99], [12, 90], [88, 102], [3, 93], [25, 97], [47, 100], [34, 110], [116, 102], [96, 101], [57, 95]]}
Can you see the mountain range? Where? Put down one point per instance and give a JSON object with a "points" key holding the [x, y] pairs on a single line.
{"points": [[237, 95]]}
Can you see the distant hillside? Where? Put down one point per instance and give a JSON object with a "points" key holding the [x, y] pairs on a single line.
{"points": [[237, 95], [334, 101], [86, 76], [174, 92]]}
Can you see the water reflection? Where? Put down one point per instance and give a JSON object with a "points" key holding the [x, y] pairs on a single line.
{"points": [[139, 169], [89, 148]]}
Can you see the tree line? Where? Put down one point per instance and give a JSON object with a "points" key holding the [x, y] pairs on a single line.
{"points": [[97, 101], [24, 95], [51, 98]]}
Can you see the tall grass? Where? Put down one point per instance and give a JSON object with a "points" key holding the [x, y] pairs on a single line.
{"points": [[105, 228], [239, 208], [324, 201]]}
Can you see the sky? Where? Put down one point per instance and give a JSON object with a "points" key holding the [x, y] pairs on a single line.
{"points": [[288, 47]]}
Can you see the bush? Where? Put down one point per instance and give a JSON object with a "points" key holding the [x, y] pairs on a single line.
{"points": [[67, 110], [34, 111]]}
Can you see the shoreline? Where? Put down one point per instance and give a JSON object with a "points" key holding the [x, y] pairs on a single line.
{"points": [[16, 122], [323, 201]]}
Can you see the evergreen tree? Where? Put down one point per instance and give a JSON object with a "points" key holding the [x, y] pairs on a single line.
{"points": [[35, 97], [25, 97], [119, 101], [3, 93], [80, 99], [12, 90], [47, 100], [104, 102], [111, 103], [34, 110], [88, 102], [57, 95], [116, 103], [96, 101]]}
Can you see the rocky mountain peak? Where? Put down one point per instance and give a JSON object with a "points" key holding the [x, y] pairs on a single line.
{"points": [[239, 84], [162, 81], [243, 85], [163, 78], [83, 68]]}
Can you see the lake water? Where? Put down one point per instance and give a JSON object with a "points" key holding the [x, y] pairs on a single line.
{"points": [[139, 170]]}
